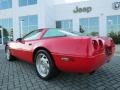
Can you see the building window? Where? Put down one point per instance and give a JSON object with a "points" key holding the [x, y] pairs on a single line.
{"points": [[28, 24], [65, 25], [27, 2], [5, 4], [7, 27], [89, 26], [113, 23]]}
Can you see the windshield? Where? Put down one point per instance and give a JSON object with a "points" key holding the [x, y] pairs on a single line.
{"points": [[32, 35]]}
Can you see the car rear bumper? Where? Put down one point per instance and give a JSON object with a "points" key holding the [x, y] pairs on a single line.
{"points": [[77, 64]]}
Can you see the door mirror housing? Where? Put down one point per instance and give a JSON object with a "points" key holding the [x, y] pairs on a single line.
{"points": [[20, 40]]}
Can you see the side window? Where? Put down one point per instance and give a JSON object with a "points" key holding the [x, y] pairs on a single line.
{"points": [[53, 33], [66, 25], [32, 35]]}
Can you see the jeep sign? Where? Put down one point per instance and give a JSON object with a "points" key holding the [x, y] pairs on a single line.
{"points": [[82, 10]]}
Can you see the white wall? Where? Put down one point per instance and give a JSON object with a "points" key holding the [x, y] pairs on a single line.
{"points": [[59, 1]]}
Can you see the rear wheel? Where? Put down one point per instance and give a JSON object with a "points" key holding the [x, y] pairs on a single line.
{"points": [[8, 55], [44, 65]]}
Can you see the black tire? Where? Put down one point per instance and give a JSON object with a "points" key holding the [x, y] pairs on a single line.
{"points": [[50, 65], [9, 57]]}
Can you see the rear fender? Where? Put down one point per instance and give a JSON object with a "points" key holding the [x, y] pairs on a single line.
{"points": [[85, 47]]}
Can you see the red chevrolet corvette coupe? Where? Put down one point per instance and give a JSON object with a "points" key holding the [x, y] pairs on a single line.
{"points": [[54, 50]]}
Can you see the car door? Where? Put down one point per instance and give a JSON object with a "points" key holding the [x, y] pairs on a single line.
{"points": [[15, 47], [27, 44]]}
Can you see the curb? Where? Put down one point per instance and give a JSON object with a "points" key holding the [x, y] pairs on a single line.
{"points": [[117, 53]]}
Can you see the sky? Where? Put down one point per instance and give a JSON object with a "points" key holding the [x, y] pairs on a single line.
{"points": [[67, 1], [74, 0]]}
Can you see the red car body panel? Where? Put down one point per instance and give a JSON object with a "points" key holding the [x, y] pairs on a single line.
{"points": [[82, 55]]}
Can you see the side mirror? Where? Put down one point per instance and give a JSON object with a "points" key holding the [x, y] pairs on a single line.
{"points": [[19, 40], [11, 39]]}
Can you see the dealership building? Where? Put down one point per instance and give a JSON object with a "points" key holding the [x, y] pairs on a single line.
{"points": [[93, 17]]}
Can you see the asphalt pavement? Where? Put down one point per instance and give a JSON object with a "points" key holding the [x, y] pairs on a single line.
{"points": [[19, 75]]}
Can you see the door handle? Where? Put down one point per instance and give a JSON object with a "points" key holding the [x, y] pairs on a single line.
{"points": [[30, 44]]}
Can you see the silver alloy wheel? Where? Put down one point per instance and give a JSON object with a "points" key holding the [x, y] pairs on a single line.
{"points": [[42, 65], [7, 54]]}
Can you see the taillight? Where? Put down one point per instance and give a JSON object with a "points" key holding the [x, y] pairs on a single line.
{"points": [[100, 44], [95, 44]]}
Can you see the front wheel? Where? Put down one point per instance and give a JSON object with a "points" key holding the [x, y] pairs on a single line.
{"points": [[8, 55], [44, 65]]}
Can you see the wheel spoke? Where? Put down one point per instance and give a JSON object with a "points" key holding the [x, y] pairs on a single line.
{"points": [[7, 54], [42, 65]]}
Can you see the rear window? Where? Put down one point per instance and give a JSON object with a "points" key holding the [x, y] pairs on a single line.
{"points": [[57, 33]]}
